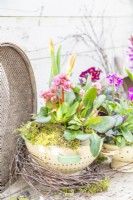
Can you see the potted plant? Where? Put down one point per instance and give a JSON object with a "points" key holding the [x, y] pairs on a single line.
{"points": [[62, 136], [118, 142]]}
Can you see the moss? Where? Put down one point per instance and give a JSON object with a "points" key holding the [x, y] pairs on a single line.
{"points": [[101, 158], [92, 188], [99, 187], [47, 134]]}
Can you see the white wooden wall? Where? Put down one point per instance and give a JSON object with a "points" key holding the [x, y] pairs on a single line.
{"points": [[31, 23]]}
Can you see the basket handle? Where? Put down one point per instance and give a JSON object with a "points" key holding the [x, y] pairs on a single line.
{"points": [[69, 159]]}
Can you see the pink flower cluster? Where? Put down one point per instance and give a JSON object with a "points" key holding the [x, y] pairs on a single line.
{"points": [[130, 49], [98, 86], [49, 94], [115, 80], [130, 93], [62, 81]]}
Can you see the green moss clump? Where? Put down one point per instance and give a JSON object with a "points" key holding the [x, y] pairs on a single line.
{"points": [[92, 188], [98, 187], [47, 134], [101, 158]]}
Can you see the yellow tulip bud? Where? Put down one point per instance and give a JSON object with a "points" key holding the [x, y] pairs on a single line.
{"points": [[71, 63], [51, 46]]}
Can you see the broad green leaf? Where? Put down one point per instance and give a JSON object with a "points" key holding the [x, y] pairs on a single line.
{"points": [[94, 120], [43, 111], [42, 119], [109, 133], [99, 101], [89, 98], [69, 97], [95, 142], [106, 124], [72, 109], [74, 127], [76, 89], [83, 136], [127, 134], [58, 57], [63, 109], [118, 119], [75, 121], [130, 75], [71, 135]]}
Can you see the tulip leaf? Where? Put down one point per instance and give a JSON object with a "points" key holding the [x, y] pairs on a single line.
{"points": [[89, 98]]}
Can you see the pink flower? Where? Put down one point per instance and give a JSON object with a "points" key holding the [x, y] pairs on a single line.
{"points": [[62, 81], [130, 93], [82, 92], [95, 74], [49, 94], [98, 87], [115, 80]]}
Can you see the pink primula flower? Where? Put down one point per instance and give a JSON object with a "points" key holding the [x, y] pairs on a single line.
{"points": [[130, 93]]}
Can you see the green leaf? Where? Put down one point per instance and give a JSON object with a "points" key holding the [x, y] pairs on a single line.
{"points": [[71, 135], [95, 142], [130, 75], [74, 127], [54, 67], [83, 136], [42, 119], [63, 109], [72, 109], [99, 101], [118, 119], [109, 133], [120, 141], [89, 98], [69, 97], [43, 111], [94, 120], [127, 134], [88, 83], [76, 89], [58, 58], [74, 122], [106, 124]]}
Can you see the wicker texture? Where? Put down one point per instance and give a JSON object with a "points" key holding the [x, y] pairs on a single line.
{"points": [[17, 100]]}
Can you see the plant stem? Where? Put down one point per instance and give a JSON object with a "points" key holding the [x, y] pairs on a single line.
{"points": [[63, 95], [54, 104]]}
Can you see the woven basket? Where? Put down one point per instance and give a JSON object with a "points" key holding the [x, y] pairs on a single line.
{"points": [[17, 100]]}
